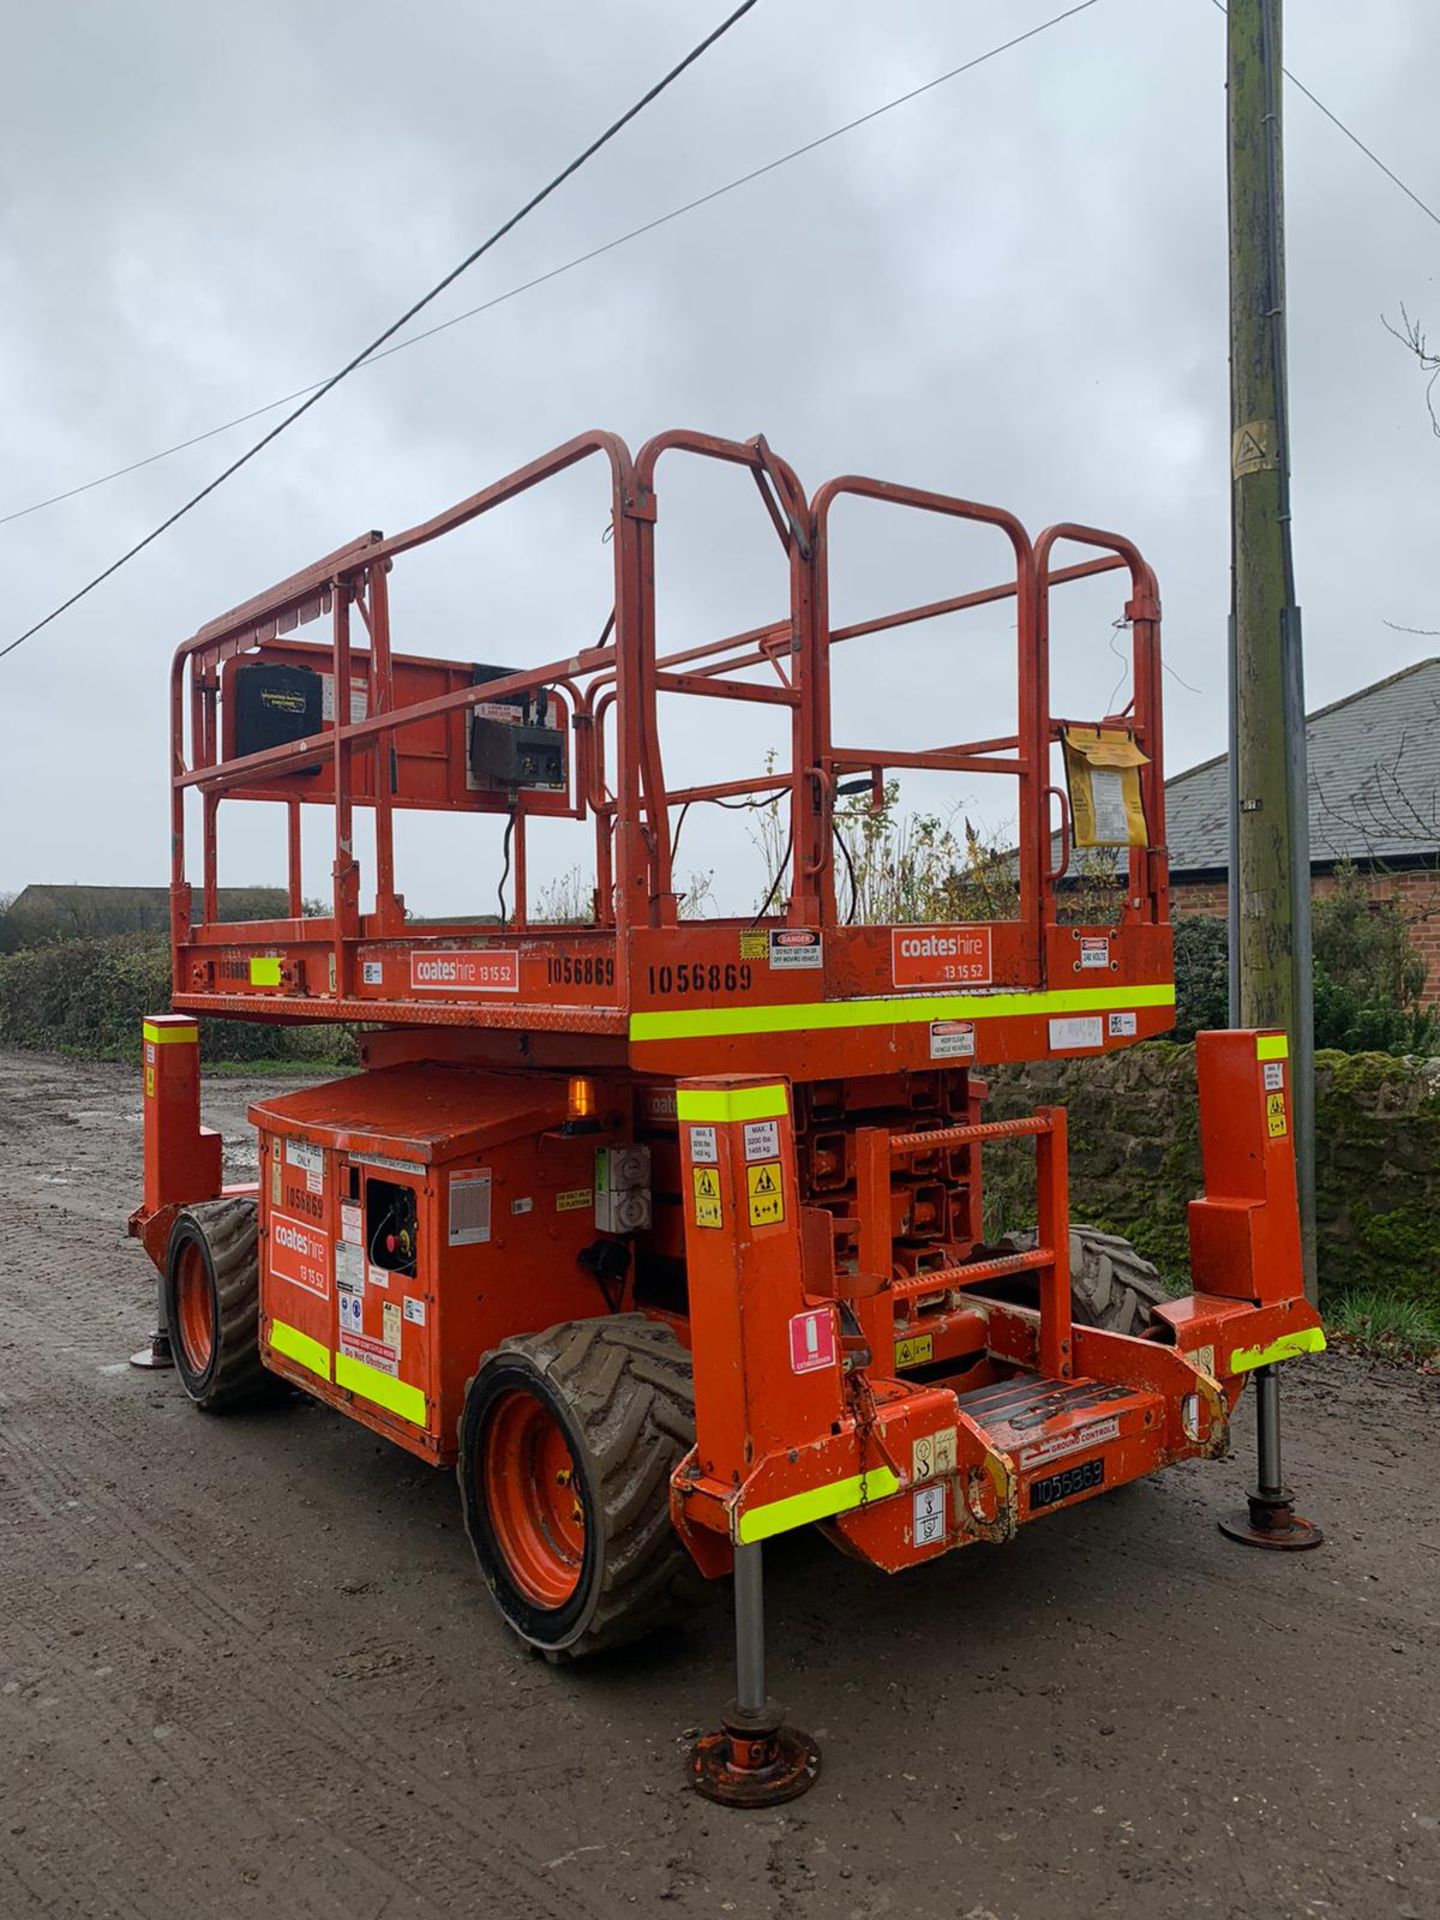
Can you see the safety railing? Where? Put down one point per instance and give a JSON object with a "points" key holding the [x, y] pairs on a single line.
{"points": [[878, 1153], [395, 737]]}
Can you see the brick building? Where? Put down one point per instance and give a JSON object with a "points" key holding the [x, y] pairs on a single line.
{"points": [[1374, 802]]}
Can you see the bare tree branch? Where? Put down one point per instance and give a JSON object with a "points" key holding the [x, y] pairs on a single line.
{"points": [[1411, 335], [1389, 807]]}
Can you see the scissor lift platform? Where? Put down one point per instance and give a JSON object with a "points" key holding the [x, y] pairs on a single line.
{"points": [[713, 1187]]}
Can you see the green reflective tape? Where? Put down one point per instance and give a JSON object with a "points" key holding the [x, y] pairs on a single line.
{"points": [[779, 1516], [828, 1016], [717, 1105], [299, 1347], [396, 1396], [1304, 1340]]}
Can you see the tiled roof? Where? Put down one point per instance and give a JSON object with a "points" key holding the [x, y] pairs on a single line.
{"points": [[1374, 780]]}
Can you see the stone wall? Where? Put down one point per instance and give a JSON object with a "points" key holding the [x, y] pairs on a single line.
{"points": [[1135, 1158]]}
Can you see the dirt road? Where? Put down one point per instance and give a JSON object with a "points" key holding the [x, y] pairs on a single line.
{"points": [[246, 1666]]}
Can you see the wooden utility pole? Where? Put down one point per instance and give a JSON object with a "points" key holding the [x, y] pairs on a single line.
{"points": [[1270, 950]]}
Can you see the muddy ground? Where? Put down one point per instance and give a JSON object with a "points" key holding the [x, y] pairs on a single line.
{"points": [[246, 1666]]}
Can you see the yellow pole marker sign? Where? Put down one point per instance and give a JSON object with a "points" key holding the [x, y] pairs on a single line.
{"points": [[1275, 1115], [766, 1194], [708, 1210]]}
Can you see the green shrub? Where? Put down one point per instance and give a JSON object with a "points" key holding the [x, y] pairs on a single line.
{"points": [[1202, 960], [1368, 979], [90, 996]]}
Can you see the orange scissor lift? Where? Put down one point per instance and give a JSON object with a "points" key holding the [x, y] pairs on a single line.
{"points": [[667, 1233]]}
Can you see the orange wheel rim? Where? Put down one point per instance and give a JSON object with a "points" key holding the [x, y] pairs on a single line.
{"points": [[194, 1309], [533, 1498]]}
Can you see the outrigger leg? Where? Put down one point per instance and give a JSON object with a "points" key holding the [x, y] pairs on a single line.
{"points": [[1272, 1520], [158, 1353], [754, 1760]]}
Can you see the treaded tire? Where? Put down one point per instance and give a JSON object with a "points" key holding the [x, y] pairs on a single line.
{"points": [[621, 1391], [1111, 1285], [217, 1243]]}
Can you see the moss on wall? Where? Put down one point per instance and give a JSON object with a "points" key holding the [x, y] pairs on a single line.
{"points": [[1135, 1159], [1377, 1156]]}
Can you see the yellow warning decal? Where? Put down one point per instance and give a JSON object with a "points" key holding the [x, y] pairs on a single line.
{"points": [[766, 1193], [914, 1349], [150, 1080], [1252, 448], [708, 1209], [720, 1105], [1271, 1046], [1275, 1115], [779, 1516], [171, 1036], [299, 1346], [820, 1016], [265, 972], [1304, 1340]]}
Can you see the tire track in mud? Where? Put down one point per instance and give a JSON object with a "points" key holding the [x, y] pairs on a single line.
{"points": [[47, 1483], [309, 1707]]}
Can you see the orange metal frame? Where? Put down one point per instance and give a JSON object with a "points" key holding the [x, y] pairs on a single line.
{"points": [[812, 1403], [639, 985], [817, 1168]]}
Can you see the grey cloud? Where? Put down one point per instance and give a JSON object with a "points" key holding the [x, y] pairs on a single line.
{"points": [[1013, 289]]}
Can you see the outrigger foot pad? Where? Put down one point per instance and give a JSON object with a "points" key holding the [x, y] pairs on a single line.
{"points": [[157, 1354], [1272, 1522], [754, 1761]]}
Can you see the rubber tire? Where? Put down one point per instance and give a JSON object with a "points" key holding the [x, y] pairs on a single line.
{"points": [[622, 1391], [226, 1232], [1111, 1285]]}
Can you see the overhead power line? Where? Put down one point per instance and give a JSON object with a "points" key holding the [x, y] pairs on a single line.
{"points": [[568, 266], [508, 226], [1350, 135], [650, 226]]}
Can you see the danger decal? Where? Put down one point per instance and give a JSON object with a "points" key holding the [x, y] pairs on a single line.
{"points": [[952, 1039], [796, 947]]}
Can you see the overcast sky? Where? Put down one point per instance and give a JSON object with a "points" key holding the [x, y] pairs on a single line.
{"points": [[1012, 288]]}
